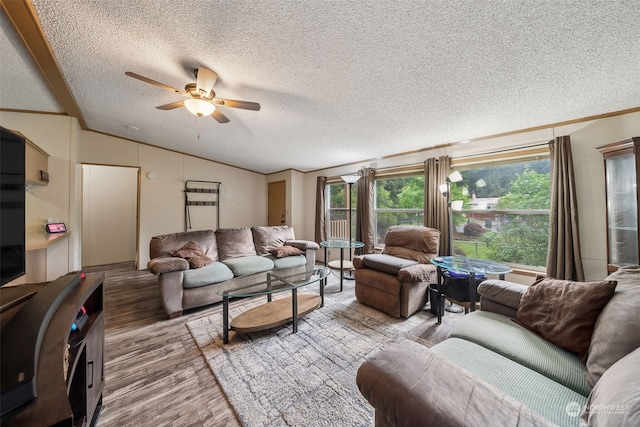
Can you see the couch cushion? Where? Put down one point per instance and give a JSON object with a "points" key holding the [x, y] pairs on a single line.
{"points": [[163, 245], [234, 243], [193, 254], [564, 312], [249, 265], [617, 330], [267, 238], [615, 400], [287, 262], [503, 336], [386, 263], [543, 395], [213, 273]]}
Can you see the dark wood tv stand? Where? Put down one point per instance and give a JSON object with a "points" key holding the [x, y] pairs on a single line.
{"points": [[69, 376]]}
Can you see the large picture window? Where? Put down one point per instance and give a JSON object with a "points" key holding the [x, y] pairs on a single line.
{"points": [[505, 214], [399, 201]]}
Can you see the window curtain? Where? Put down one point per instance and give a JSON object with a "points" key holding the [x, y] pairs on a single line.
{"points": [[321, 212], [365, 218], [436, 212], [564, 260]]}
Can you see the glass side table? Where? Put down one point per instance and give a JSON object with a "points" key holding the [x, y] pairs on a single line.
{"points": [[341, 264], [470, 266]]}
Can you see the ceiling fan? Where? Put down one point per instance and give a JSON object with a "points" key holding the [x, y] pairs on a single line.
{"points": [[201, 99]]}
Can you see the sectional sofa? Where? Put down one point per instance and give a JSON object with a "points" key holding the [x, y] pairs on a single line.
{"points": [[191, 265]]}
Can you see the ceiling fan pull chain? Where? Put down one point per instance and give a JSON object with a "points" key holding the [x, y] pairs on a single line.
{"points": [[198, 120]]}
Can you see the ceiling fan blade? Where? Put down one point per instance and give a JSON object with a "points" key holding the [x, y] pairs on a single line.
{"points": [[233, 103], [153, 82], [206, 79], [171, 106], [221, 118]]}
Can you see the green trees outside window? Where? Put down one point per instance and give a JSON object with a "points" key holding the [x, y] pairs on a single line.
{"points": [[505, 215]]}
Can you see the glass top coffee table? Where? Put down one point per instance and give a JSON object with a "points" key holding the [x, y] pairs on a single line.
{"points": [[272, 313], [471, 266]]}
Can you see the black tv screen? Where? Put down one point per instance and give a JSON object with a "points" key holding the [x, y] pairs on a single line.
{"points": [[12, 206]]}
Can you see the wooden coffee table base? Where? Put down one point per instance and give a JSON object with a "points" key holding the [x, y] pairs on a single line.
{"points": [[274, 314]]}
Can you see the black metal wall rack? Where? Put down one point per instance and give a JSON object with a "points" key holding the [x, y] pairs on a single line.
{"points": [[201, 193]]}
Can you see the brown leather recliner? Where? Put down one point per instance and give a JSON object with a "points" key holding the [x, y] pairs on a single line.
{"points": [[397, 281]]}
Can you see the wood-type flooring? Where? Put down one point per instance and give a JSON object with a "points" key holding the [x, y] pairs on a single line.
{"points": [[155, 375]]}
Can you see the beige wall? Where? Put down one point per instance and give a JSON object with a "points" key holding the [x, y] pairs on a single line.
{"points": [[589, 174], [244, 193], [162, 199], [59, 137]]}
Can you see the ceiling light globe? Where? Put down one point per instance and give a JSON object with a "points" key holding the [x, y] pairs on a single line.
{"points": [[199, 107]]}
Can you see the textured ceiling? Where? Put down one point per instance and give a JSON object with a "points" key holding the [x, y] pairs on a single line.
{"points": [[338, 81]]}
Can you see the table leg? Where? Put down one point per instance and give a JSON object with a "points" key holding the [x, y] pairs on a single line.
{"points": [[341, 267], [472, 291], [294, 303], [225, 319], [440, 301], [323, 283], [269, 297]]}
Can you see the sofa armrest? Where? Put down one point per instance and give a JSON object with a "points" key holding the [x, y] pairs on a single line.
{"points": [[309, 249], [408, 385], [419, 273], [500, 296], [167, 264], [358, 261], [303, 244]]}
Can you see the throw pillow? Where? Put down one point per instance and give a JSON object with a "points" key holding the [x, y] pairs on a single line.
{"points": [[614, 400], [564, 312], [616, 332], [286, 250], [193, 254]]}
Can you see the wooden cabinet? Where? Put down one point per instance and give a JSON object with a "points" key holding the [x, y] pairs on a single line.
{"points": [[621, 161], [36, 165]]}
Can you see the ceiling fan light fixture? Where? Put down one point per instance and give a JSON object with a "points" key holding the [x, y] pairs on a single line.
{"points": [[199, 107]]}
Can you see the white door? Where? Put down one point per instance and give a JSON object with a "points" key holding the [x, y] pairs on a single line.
{"points": [[109, 214]]}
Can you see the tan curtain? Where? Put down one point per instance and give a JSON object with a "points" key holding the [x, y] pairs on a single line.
{"points": [[436, 213], [365, 218], [321, 212], [564, 260]]}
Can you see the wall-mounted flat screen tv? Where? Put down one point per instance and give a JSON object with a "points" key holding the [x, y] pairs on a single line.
{"points": [[12, 206]]}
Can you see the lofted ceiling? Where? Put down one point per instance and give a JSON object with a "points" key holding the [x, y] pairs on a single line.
{"points": [[338, 81]]}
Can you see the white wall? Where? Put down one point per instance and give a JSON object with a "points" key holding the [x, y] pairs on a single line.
{"points": [[589, 175]]}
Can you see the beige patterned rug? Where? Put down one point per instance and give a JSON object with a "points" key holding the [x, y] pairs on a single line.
{"points": [[277, 378]]}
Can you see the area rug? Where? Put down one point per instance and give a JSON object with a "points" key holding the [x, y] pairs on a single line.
{"points": [[277, 378]]}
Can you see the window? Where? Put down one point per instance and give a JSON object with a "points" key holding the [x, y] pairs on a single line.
{"points": [[399, 200], [337, 213], [505, 215]]}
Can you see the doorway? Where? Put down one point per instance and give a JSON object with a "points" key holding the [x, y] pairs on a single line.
{"points": [[109, 214], [277, 204]]}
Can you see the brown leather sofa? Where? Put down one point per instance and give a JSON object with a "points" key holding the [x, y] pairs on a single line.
{"points": [[397, 281], [231, 252]]}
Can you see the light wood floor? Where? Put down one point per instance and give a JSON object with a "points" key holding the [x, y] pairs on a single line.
{"points": [[154, 373]]}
